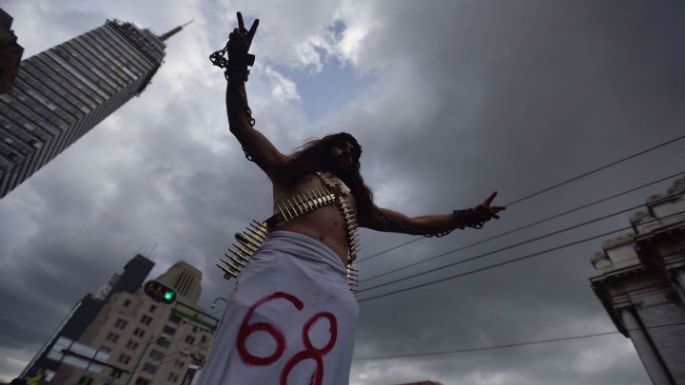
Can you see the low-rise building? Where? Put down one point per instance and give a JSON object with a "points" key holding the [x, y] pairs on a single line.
{"points": [[642, 284], [85, 311], [148, 342]]}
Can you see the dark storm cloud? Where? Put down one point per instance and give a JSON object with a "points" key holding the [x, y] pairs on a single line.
{"points": [[514, 97], [465, 98]]}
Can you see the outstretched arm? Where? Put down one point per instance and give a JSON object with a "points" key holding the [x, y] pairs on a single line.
{"points": [[430, 225], [240, 122]]}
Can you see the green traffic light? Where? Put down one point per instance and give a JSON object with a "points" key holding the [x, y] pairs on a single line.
{"points": [[169, 295]]}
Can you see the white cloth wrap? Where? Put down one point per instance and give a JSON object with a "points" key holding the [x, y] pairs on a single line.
{"points": [[298, 267]]}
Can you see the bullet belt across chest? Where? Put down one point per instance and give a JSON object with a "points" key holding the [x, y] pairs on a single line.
{"points": [[250, 240]]}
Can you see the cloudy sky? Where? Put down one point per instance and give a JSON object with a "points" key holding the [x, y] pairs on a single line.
{"points": [[450, 101]]}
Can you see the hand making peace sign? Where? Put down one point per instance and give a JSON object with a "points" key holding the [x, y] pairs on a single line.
{"points": [[485, 208], [240, 39]]}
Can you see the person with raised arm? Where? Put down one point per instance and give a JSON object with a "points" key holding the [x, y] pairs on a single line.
{"points": [[292, 313]]}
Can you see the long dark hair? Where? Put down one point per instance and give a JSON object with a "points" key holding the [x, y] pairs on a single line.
{"points": [[315, 155]]}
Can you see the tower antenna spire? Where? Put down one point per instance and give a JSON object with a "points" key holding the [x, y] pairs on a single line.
{"points": [[172, 32]]}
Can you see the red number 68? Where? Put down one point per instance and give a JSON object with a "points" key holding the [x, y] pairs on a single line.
{"points": [[310, 352], [246, 329]]}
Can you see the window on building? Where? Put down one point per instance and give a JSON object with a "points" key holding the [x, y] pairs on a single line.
{"points": [[131, 345], [142, 381], [173, 377], [203, 339], [138, 332], [124, 359], [156, 355], [127, 302], [149, 368], [120, 324], [163, 342], [169, 330], [145, 320], [194, 329], [152, 308], [174, 318], [112, 337], [85, 380], [178, 364], [190, 340]]}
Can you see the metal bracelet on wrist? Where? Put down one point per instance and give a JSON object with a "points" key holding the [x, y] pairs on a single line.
{"points": [[235, 68], [235, 72], [471, 218]]}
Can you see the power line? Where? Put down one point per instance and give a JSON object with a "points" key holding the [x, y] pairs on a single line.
{"points": [[511, 345], [173, 354], [391, 249], [500, 249], [516, 229], [515, 201], [494, 265], [458, 275], [559, 184], [482, 348]]}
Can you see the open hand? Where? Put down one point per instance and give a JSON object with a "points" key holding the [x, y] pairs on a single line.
{"points": [[486, 208]]}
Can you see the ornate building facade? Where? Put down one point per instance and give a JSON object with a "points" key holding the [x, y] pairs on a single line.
{"points": [[642, 284]]}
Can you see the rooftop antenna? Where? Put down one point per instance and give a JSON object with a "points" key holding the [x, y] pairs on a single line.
{"points": [[172, 32]]}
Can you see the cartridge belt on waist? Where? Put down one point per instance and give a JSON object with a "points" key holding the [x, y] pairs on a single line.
{"points": [[251, 239]]}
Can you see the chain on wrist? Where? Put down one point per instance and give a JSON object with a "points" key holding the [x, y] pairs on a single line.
{"points": [[235, 65], [236, 71], [470, 218], [465, 218]]}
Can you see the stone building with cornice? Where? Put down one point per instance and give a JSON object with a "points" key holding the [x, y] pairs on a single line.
{"points": [[642, 284]]}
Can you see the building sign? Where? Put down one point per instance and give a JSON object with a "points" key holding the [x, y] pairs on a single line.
{"points": [[69, 352]]}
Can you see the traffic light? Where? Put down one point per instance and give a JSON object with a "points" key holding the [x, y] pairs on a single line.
{"points": [[159, 292]]}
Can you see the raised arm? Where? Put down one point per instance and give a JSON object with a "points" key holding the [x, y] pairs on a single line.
{"points": [[382, 219], [256, 146]]}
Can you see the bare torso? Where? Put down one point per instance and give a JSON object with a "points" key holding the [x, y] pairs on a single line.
{"points": [[339, 152], [326, 224]]}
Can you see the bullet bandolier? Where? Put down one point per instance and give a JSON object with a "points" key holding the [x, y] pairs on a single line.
{"points": [[251, 239]]}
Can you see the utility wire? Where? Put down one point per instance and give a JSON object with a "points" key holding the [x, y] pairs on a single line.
{"points": [[515, 201], [173, 354], [427, 283], [500, 249], [415, 239], [493, 347], [511, 345], [518, 228], [517, 259], [562, 183]]}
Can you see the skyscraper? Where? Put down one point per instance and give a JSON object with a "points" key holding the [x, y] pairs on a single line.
{"points": [[62, 93]]}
